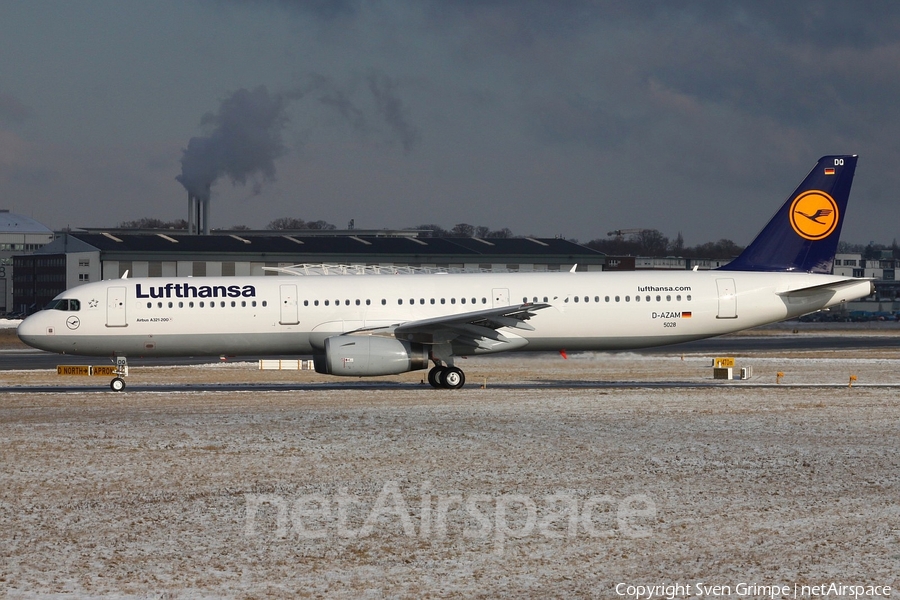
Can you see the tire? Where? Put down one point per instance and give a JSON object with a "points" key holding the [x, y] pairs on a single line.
{"points": [[436, 377], [117, 384], [454, 378]]}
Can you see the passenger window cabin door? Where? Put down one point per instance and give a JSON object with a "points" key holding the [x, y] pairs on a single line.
{"points": [[727, 299], [115, 307], [289, 307]]}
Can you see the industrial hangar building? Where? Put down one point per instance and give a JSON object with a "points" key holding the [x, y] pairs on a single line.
{"points": [[94, 254]]}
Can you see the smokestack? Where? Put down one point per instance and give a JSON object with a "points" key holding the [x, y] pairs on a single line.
{"points": [[198, 213], [204, 214], [191, 211]]}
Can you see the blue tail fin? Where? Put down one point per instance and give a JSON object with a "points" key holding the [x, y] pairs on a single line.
{"points": [[803, 235]]}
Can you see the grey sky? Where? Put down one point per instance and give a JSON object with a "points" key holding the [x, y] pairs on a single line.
{"points": [[563, 117]]}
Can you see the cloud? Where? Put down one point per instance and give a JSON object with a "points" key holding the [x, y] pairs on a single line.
{"points": [[324, 9], [12, 110], [635, 114]]}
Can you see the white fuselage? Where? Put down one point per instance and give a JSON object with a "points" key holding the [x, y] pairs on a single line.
{"points": [[294, 314]]}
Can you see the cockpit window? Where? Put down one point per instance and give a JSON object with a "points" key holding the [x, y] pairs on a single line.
{"points": [[66, 304]]}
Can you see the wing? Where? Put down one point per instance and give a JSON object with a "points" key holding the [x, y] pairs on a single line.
{"points": [[476, 330]]}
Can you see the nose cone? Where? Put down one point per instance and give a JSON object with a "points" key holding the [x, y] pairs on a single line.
{"points": [[34, 332]]}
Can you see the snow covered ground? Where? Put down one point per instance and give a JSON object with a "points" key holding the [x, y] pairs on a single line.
{"points": [[9, 323], [403, 491]]}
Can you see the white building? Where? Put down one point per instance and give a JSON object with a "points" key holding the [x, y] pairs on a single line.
{"points": [[883, 270], [18, 235], [854, 265]]}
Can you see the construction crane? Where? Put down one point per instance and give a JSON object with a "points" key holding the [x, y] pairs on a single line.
{"points": [[620, 233]]}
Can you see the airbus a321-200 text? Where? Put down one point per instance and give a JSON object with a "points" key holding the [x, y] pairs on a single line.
{"points": [[370, 325]]}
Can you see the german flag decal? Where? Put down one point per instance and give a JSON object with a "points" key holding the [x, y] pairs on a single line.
{"points": [[685, 314], [829, 171]]}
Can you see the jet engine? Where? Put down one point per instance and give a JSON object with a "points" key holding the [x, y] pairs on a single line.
{"points": [[362, 355]]}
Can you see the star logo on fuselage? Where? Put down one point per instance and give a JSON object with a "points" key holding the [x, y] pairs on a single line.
{"points": [[93, 303]]}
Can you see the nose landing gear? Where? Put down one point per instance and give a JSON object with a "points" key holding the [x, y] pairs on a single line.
{"points": [[118, 384]]}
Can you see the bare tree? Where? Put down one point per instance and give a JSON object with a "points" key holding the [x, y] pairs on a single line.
{"points": [[462, 230], [652, 242], [153, 223], [295, 223], [506, 232], [287, 223], [676, 248], [319, 225]]}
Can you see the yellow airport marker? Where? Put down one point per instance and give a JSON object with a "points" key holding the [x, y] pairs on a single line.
{"points": [[86, 370], [82, 370]]}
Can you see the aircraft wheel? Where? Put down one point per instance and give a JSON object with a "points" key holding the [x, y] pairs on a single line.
{"points": [[435, 377], [454, 378], [117, 384]]}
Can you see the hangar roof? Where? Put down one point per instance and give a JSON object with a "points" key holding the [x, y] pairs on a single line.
{"points": [[13, 223], [274, 246]]}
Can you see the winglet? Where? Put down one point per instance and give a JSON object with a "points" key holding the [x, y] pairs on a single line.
{"points": [[803, 235]]}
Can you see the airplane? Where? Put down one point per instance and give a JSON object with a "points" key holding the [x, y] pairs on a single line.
{"points": [[372, 325]]}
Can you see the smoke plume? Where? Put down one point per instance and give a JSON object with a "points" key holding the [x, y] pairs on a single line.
{"points": [[391, 109], [245, 140]]}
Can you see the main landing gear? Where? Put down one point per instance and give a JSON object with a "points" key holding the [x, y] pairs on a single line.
{"points": [[451, 378]]}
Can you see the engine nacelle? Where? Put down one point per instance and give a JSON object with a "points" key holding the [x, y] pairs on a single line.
{"points": [[367, 355]]}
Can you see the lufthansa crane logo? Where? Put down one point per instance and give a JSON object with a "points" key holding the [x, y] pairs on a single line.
{"points": [[814, 215]]}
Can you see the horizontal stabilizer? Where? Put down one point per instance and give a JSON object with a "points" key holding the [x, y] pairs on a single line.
{"points": [[834, 285]]}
